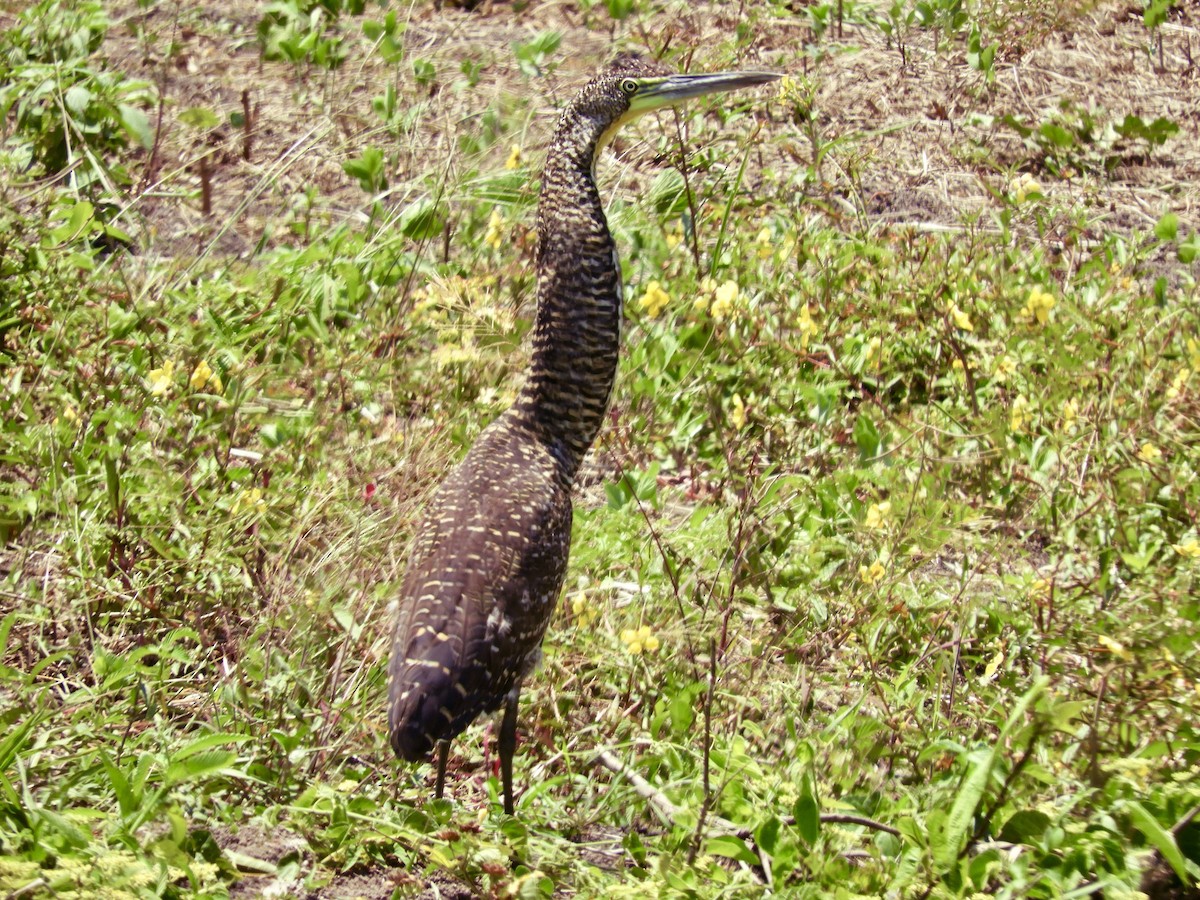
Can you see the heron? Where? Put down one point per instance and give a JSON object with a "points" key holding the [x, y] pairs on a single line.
{"points": [[489, 554]]}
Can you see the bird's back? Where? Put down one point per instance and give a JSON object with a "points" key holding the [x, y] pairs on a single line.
{"points": [[485, 572]]}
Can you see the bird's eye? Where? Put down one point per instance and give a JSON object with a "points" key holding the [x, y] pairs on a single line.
{"points": [[629, 86]]}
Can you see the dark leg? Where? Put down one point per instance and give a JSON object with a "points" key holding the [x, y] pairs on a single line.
{"points": [[508, 745], [443, 753]]}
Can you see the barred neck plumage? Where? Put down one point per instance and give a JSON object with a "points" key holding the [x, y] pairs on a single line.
{"points": [[577, 335]]}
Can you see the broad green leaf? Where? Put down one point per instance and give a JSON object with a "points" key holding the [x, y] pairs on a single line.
{"points": [[731, 847], [1167, 227], [208, 742], [194, 768], [1161, 838]]}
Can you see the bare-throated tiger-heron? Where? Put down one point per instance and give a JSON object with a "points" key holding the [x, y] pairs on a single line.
{"points": [[488, 558]]}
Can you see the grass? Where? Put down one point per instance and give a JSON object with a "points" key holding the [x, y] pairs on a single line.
{"points": [[883, 578]]}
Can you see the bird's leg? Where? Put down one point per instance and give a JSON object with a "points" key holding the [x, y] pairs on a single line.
{"points": [[508, 745], [443, 754]]}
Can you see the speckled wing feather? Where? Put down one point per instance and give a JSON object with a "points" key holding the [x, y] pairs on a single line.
{"points": [[486, 570]]}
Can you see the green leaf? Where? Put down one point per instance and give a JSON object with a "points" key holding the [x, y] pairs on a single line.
{"points": [[1167, 227], [1161, 838], [974, 786], [207, 742], [1025, 826], [137, 124], [77, 99], [194, 768], [807, 812], [1189, 249], [731, 847], [421, 220], [199, 117], [120, 785]]}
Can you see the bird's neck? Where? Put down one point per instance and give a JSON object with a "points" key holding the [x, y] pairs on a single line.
{"points": [[577, 335]]}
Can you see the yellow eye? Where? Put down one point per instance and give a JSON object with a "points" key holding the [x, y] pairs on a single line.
{"points": [[629, 86]]}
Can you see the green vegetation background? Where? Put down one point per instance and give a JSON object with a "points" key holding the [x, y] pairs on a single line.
{"points": [[884, 580]]}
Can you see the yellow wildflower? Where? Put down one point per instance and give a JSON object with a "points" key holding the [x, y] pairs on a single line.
{"points": [[877, 514], [203, 376], [1193, 349], [1069, 413], [1189, 548], [1004, 367], [1148, 453], [808, 328], [159, 380], [514, 158], [872, 574], [248, 500], [876, 344], [1024, 186], [1114, 647], [70, 414], [1021, 415], [585, 614], [495, 230], [1178, 383], [723, 299], [737, 414], [654, 300], [675, 234], [639, 640], [1040, 589], [765, 243], [1037, 307], [961, 319], [787, 88], [450, 352], [708, 287]]}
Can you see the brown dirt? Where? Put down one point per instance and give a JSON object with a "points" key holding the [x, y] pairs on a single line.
{"points": [[917, 136]]}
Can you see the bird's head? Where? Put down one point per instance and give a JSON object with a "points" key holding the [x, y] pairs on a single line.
{"points": [[632, 86]]}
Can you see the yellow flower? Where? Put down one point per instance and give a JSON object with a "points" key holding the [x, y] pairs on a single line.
{"points": [[808, 328], [248, 500], [1189, 548], [1040, 589], [877, 514], [654, 300], [737, 415], [639, 640], [765, 243], [70, 414], [1113, 647], [724, 298], [1193, 349], [876, 344], [675, 234], [1021, 415], [1003, 368], [1037, 307], [1148, 453], [1178, 384], [872, 574], [159, 380], [1069, 413], [203, 376], [451, 353], [514, 157], [1023, 186], [585, 614], [961, 319], [495, 230]]}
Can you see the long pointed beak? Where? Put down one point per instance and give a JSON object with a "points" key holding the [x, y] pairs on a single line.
{"points": [[675, 88]]}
